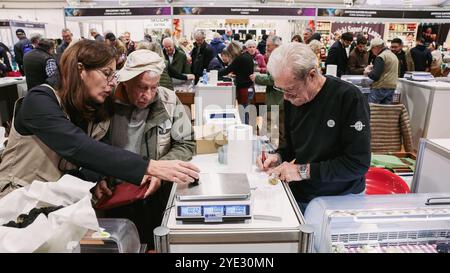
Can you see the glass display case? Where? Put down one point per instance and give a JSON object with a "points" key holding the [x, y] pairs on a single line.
{"points": [[410, 223]]}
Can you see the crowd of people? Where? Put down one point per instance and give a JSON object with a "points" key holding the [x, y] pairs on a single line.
{"points": [[103, 109]]}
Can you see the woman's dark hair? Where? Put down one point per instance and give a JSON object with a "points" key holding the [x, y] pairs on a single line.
{"points": [[248, 36], [298, 38], [72, 91], [236, 37]]}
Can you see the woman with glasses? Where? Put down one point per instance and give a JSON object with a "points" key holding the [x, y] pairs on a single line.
{"points": [[57, 131]]}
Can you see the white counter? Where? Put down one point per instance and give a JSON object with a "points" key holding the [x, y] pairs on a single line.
{"points": [[428, 105], [432, 174], [212, 97], [11, 88], [275, 202]]}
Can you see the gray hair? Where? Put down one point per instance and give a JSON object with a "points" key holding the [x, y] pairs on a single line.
{"points": [[35, 37], [66, 30], [153, 46], [276, 40], [168, 39], [315, 45], [217, 35], [93, 30], [250, 43], [296, 57], [199, 33]]}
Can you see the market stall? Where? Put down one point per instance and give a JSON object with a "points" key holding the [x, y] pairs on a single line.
{"points": [[136, 20]]}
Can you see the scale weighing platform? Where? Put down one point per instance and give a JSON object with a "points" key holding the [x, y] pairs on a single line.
{"points": [[215, 198]]}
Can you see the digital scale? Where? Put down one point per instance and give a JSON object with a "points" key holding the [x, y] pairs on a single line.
{"points": [[221, 117], [215, 198]]}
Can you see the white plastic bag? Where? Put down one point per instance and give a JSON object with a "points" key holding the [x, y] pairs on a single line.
{"points": [[61, 228]]}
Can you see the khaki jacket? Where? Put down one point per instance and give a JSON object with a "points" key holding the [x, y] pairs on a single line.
{"points": [[26, 158], [168, 132]]}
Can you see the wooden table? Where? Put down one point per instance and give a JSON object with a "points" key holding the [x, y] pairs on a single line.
{"points": [[187, 98]]}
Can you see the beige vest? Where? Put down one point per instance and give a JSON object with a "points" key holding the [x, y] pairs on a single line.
{"points": [[388, 79], [26, 158]]}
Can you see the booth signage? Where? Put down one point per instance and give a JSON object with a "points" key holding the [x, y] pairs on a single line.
{"points": [[244, 11], [373, 30], [27, 25], [427, 14], [333, 12], [75, 12]]}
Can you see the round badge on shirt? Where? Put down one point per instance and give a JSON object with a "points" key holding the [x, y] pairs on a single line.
{"points": [[331, 123]]}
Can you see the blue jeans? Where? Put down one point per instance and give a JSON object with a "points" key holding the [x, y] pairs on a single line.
{"points": [[381, 96]]}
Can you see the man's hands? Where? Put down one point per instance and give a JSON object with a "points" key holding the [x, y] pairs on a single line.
{"points": [[252, 77], [271, 161], [190, 77], [176, 171], [286, 172], [368, 69]]}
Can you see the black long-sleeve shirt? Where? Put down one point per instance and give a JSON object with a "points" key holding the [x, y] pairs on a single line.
{"points": [[242, 66], [422, 58], [41, 115], [332, 133], [378, 69]]}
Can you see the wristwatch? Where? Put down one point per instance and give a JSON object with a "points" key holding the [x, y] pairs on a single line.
{"points": [[303, 170]]}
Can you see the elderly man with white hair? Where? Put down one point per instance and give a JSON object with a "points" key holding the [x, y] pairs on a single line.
{"points": [[201, 55], [175, 57], [97, 36], [383, 72], [151, 121], [327, 129]]}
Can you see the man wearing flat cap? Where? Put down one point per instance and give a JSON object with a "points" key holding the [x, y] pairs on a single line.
{"points": [[383, 72], [151, 121]]}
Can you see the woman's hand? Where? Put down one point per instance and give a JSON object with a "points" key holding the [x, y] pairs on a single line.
{"points": [[176, 171]]}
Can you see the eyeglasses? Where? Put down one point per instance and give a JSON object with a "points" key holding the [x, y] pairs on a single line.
{"points": [[284, 91], [110, 76]]}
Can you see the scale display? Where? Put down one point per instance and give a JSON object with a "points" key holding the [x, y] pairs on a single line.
{"points": [[218, 210], [222, 116]]}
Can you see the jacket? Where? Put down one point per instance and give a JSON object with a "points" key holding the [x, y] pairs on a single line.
{"points": [[179, 62], [357, 62], [201, 57], [260, 62], [168, 132], [337, 55], [35, 63], [273, 97], [405, 63], [422, 58], [242, 67], [28, 158], [385, 71], [217, 46], [216, 64], [18, 49]]}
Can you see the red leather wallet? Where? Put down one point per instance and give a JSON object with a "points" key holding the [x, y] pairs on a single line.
{"points": [[123, 194]]}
